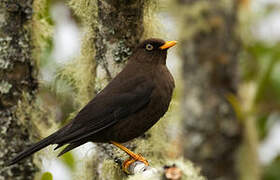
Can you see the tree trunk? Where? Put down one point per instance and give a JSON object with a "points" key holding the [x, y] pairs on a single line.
{"points": [[17, 72], [119, 30], [209, 53]]}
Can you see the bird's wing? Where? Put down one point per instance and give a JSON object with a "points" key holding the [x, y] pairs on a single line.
{"points": [[107, 108]]}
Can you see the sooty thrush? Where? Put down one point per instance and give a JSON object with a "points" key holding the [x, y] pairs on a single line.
{"points": [[127, 107]]}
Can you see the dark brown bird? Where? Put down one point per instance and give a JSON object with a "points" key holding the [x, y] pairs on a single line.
{"points": [[127, 107]]}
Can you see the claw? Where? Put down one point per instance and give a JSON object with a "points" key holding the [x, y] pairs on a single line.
{"points": [[132, 159]]}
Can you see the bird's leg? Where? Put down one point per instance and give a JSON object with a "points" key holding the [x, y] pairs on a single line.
{"points": [[133, 157]]}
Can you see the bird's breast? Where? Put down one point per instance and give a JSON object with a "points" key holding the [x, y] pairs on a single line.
{"points": [[164, 88]]}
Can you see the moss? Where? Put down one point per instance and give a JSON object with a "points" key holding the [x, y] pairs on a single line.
{"points": [[189, 171], [80, 72], [41, 118], [110, 170], [42, 29], [152, 26], [86, 11]]}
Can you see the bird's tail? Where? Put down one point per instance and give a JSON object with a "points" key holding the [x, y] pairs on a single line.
{"points": [[34, 148]]}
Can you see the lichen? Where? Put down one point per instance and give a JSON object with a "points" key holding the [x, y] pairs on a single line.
{"points": [[4, 64], [5, 87], [4, 52], [110, 170], [121, 52], [14, 137]]}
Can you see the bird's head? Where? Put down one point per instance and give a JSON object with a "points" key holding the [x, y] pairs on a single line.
{"points": [[152, 51]]}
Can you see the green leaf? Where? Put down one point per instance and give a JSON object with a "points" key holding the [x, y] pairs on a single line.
{"points": [[69, 160], [262, 126], [236, 106], [47, 176]]}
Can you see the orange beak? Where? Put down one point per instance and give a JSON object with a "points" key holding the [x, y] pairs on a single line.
{"points": [[168, 44]]}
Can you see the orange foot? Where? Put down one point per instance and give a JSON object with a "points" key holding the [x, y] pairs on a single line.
{"points": [[133, 157]]}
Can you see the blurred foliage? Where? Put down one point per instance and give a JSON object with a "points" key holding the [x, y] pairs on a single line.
{"points": [[47, 176], [46, 52], [260, 65], [236, 106], [262, 126], [272, 171]]}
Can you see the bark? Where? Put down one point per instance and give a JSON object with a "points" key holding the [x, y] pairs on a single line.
{"points": [[17, 72], [209, 52], [119, 29]]}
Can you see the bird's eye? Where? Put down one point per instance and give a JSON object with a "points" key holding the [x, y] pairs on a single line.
{"points": [[149, 47]]}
